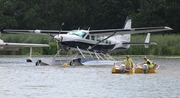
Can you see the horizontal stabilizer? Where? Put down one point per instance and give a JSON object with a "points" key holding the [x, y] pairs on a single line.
{"points": [[146, 43], [134, 43]]}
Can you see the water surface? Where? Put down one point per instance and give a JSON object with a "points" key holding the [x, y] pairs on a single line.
{"points": [[20, 79]]}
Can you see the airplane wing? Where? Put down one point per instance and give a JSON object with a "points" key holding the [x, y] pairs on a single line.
{"points": [[16, 46], [35, 31], [21, 45], [5, 46], [127, 30], [96, 32], [130, 31]]}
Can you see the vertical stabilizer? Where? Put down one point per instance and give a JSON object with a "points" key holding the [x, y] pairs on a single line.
{"points": [[147, 40], [127, 24]]}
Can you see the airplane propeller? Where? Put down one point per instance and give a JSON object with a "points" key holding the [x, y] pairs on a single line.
{"points": [[60, 29], [58, 43]]}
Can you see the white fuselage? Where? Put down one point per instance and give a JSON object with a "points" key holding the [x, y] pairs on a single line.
{"points": [[83, 40]]}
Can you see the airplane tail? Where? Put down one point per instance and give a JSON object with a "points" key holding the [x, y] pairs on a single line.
{"points": [[146, 43], [147, 40], [125, 37], [127, 23], [127, 26]]}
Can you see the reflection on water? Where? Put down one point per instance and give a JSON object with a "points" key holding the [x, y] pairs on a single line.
{"points": [[25, 80]]}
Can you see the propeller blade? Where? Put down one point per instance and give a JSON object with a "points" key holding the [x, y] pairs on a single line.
{"points": [[61, 46], [60, 29], [51, 35]]}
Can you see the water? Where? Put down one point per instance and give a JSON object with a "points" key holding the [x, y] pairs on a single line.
{"points": [[19, 79]]}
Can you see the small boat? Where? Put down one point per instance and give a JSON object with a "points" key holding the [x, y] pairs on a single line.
{"points": [[144, 69], [116, 71]]}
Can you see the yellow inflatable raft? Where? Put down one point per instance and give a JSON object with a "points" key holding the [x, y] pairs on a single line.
{"points": [[140, 70], [120, 68], [137, 70], [117, 71]]}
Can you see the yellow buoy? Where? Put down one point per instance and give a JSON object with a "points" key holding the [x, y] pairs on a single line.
{"points": [[65, 64]]}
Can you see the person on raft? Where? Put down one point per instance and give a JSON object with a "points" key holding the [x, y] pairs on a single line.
{"points": [[128, 63], [148, 62]]}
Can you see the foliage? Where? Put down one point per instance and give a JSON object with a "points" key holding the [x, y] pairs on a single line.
{"points": [[167, 44], [97, 14]]}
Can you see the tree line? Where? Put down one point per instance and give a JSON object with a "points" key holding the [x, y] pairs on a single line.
{"points": [[97, 14]]}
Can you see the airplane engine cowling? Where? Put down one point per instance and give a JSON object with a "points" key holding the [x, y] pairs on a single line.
{"points": [[145, 68], [122, 68]]}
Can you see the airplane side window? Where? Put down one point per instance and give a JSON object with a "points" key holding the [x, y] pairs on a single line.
{"points": [[109, 42], [99, 39], [83, 34], [92, 37], [87, 37]]}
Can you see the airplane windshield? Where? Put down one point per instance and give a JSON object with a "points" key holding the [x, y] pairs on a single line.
{"points": [[77, 32]]}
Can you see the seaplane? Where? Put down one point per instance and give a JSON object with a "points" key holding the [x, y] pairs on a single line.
{"points": [[7, 46], [96, 43]]}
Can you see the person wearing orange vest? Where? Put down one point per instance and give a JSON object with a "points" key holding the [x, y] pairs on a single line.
{"points": [[149, 63], [128, 63]]}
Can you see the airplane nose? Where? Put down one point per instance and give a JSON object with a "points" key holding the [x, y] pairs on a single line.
{"points": [[59, 38]]}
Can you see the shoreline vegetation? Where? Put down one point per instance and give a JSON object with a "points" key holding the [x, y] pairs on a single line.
{"points": [[167, 45]]}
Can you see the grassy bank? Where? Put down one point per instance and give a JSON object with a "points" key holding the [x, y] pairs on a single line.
{"points": [[167, 44]]}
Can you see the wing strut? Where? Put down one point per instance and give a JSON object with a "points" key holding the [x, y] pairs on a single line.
{"points": [[80, 52], [102, 40]]}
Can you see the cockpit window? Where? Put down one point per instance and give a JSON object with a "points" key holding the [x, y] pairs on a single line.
{"points": [[77, 32]]}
